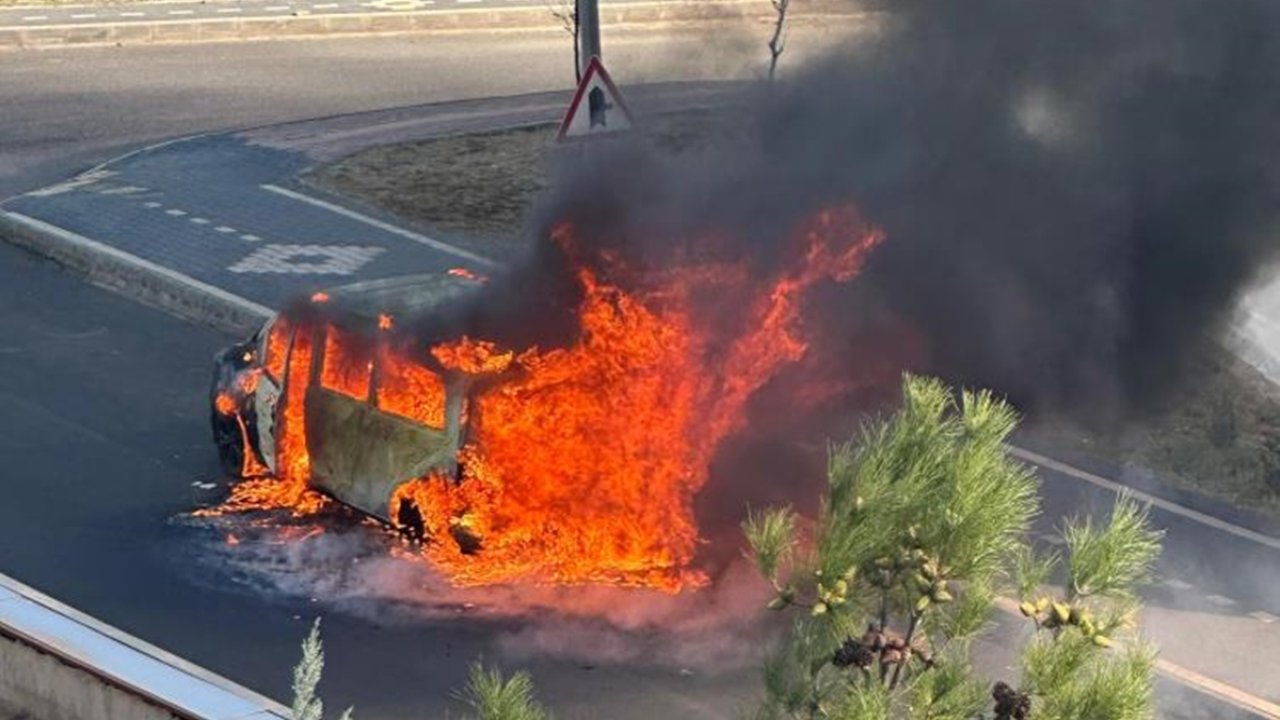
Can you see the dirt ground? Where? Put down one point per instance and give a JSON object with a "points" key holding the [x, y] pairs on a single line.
{"points": [[1218, 434]]}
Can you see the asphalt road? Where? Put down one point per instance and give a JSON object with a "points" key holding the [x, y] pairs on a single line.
{"points": [[104, 417], [64, 110], [91, 14], [103, 407]]}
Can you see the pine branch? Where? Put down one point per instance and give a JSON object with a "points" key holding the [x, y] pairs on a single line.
{"points": [[1111, 561], [306, 676], [494, 697]]}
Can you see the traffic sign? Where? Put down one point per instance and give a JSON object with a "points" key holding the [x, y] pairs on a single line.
{"points": [[597, 107]]}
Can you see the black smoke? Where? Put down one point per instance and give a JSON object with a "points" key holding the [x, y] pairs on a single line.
{"points": [[1074, 193]]}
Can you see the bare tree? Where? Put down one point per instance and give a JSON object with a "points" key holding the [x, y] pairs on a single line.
{"points": [[778, 42], [566, 11]]}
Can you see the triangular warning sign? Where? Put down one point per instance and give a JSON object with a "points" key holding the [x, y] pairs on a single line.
{"points": [[597, 107]]}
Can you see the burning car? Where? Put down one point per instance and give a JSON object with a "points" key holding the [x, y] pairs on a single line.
{"points": [[572, 462], [373, 418]]}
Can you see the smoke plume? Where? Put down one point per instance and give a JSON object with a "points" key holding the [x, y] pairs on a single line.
{"points": [[1074, 193]]}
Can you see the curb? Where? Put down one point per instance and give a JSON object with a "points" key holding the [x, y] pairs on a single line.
{"points": [[119, 661], [134, 277], [428, 21]]}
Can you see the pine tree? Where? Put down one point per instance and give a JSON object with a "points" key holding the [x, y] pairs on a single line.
{"points": [[306, 676], [922, 530], [493, 697]]}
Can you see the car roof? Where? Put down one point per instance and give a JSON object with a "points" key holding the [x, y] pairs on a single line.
{"points": [[404, 297]]}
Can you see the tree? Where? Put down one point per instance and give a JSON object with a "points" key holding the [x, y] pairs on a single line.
{"points": [[922, 528], [493, 697], [566, 11], [306, 676], [778, 42]]}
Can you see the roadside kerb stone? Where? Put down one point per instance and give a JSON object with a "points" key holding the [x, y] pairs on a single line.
{"points": [[136, 278]]}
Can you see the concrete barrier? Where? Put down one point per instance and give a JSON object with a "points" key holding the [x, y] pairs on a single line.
{"points": [[57, 663]]}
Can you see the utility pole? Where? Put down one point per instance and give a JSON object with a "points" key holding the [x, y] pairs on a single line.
{"points": [[588, 33]]}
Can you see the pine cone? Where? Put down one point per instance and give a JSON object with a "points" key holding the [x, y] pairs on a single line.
{"points": [[1010, 704], [853, 653]]}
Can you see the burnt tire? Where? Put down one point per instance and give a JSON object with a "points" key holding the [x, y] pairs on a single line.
{"points": [[226, 436]]}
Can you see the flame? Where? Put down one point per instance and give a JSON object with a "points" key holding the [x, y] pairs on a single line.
{"points": [[348, 366], [277, 347], [384, 321], [225, 404], [320, 297], [289, 488], [408, 389], [584, 468], [582, 462], [467, 274], [474, 357]]}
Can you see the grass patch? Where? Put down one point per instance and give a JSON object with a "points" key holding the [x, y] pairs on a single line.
{"points": [[480, 184], [1218, 434]]}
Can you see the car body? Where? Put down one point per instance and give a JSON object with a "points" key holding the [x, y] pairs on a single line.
{"points": [[365, 432]]}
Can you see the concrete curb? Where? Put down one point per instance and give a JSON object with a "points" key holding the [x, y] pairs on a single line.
{"points": [[134, 277], [67, 664], [427, 21]]}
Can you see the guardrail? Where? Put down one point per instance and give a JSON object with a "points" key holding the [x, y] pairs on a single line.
{"points": [[56, 663]]}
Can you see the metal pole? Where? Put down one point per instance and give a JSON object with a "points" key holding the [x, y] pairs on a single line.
{"points": [[588, 32]]}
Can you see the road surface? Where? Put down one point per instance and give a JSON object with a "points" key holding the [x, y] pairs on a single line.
{"points": [[105, 415], [64, 110]]}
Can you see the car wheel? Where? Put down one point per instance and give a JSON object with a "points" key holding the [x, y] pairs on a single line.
{"points": [[226, 435]]}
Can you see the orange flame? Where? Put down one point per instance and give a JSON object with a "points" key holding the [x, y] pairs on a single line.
{"points": [[467, 274], [474, 357], [584, 469], [582, 464], [224, 404], [320, 297]]}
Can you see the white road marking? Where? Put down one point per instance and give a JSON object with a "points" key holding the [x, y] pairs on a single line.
{"points": [[467, 2], [276, 8], [123, 190], [250, 238], [144, 265], [182, 12], [1176, 509], [1264, 616], [199, 221], [152, 205], [388, 227], [224, 229], [83, 16], [325, 6], [1220, 600], [35, 18], [1176, 584], [133, 14], [175, 212], [307, 259]]}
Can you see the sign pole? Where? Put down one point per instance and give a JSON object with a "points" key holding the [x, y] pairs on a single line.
{"points": [[588, 33]]}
